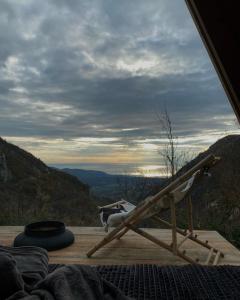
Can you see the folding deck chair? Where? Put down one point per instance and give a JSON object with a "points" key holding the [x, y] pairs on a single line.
{"points": [[150, 208]]}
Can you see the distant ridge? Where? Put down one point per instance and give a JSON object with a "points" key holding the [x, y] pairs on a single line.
{"points": [[30, 190], [108, 185]]}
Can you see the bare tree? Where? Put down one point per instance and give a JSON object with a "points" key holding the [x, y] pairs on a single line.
{"points": [[173, 157]]}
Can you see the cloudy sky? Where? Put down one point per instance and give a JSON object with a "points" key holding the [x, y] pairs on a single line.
{"points": [[81, 81]]}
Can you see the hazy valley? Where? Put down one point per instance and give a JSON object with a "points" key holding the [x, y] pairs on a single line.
{"points": [[111, 186]]}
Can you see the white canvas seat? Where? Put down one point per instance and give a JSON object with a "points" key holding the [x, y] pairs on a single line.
{"points": [[164, 203]]}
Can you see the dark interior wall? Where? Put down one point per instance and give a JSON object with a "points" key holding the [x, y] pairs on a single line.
{"points": [[218, 22]]}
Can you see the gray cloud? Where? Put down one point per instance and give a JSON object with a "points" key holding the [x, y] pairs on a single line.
{"points": [[72, 69]]}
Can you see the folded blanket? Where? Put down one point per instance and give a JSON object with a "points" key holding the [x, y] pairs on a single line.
{"points": [[10, 278], [30, 262], [24, 275]]}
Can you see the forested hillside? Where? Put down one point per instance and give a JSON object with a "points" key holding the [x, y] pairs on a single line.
{"points": [[216, 199], [30, 190]]}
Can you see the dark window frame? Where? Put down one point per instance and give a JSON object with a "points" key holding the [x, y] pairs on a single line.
{"points": [[218, 25]]}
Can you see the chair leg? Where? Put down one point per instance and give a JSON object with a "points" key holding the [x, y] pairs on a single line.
{"points": [[184, 233], [161, 244], [190, 217], [107, 239], [174, 225], [122, 233]]}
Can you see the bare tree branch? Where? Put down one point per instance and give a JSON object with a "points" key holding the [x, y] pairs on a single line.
{"points": [[173, 157]]}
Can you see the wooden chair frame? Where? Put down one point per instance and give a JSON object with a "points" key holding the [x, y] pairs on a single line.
{"points": [[130, 223]]}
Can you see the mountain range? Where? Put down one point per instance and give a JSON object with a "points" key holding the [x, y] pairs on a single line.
{"points": [[30, 190]]}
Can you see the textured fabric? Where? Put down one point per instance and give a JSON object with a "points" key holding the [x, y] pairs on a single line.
{"points": [[118, 218], [31, 262], [10, 278], [113, 216], [177, 194], [106, 212], [24, 275], [175, 282]]}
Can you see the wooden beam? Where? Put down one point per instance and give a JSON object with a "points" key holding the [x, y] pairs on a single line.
{"points": [[150, 237], [112, 204], [217, 257], [174, 225], [121, 234], [184, 240], [210, 254], [162, 244], [190, 216], [191, 237], [218, 25], [107, 239]]}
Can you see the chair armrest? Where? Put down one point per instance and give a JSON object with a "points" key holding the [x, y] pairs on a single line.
{"points": [[113, 204]]}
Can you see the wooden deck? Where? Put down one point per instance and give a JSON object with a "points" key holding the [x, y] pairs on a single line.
{"points": [[131, 249]]}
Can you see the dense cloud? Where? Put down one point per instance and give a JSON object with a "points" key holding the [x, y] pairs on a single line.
{"points": [[99, 70]]}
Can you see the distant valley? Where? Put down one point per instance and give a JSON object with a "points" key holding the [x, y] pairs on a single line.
{"points": [[107, 185]]}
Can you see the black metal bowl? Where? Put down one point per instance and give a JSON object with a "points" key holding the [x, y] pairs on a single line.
{"points": [[50, 235], [44, 228]]}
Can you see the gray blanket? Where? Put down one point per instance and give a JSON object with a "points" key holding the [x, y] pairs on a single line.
{"points": [[24, 275]]}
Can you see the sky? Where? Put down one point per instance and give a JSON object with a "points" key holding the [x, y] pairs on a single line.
{"points": [[82, 82]]}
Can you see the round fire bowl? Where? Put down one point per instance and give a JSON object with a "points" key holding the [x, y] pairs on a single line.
{"points": [[50, 235]]}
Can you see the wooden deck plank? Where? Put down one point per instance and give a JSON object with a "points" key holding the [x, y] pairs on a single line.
{"points": [[131, 249]]}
